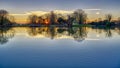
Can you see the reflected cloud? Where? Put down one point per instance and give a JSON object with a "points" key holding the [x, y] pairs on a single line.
{"points": [[91, 39]]}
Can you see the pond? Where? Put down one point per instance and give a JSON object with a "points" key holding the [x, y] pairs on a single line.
{"points": [[59, 47]]}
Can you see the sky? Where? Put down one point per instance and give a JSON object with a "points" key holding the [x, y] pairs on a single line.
{"points": [[92, 7]]}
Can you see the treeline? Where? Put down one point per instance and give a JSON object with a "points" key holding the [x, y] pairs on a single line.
{"points": [[5, 18], [78, 17], [107, 21]]}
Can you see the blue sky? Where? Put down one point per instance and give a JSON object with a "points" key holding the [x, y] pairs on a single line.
{"points": [[28, 5]]}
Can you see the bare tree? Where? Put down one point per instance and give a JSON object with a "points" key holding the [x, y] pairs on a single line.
{"points": [[12, 19], [118, 21], [70, 20], [109, 17], [3, 13], [80, 16], [32, 19], [4, 17], [40, 20], [53, 17]]}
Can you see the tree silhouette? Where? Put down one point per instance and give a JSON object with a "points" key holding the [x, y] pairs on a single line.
{"points": [[4, 17], [40, 20], [109, 17], [52, 18], [12, 19], [119, 20], [70, 21], [80, 16], [32, 19], [61, 21]]}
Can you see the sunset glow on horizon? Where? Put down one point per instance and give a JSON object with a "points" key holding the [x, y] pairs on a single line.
{"points": [[94, 8], [93, 14]]}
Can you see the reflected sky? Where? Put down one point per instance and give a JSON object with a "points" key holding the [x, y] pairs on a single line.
{"points": [[78, 34], [99, 48]]}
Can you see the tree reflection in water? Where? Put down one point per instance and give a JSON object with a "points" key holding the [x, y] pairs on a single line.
{"points": [[5, 34], [117, 30], [46, 31], [78, 34], [108, 32]]}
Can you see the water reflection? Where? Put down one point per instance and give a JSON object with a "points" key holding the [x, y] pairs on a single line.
{"points": [[5, 34], [118, 30], [79, 34], [50, 32], [106, 30]]}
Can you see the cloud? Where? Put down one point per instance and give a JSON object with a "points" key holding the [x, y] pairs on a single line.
{"points": [[62, 11], [55, 11], [37, 12], [98, 13], [93, 9], [18, 14]]}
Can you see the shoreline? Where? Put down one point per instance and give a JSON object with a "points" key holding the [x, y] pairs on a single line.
{"points": [[57, 26]]}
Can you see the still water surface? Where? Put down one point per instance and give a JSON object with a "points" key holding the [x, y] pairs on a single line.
{"points": [[53, 47]]}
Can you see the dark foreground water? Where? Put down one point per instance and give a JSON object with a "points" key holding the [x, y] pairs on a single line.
{"points": [[52, 47]]}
